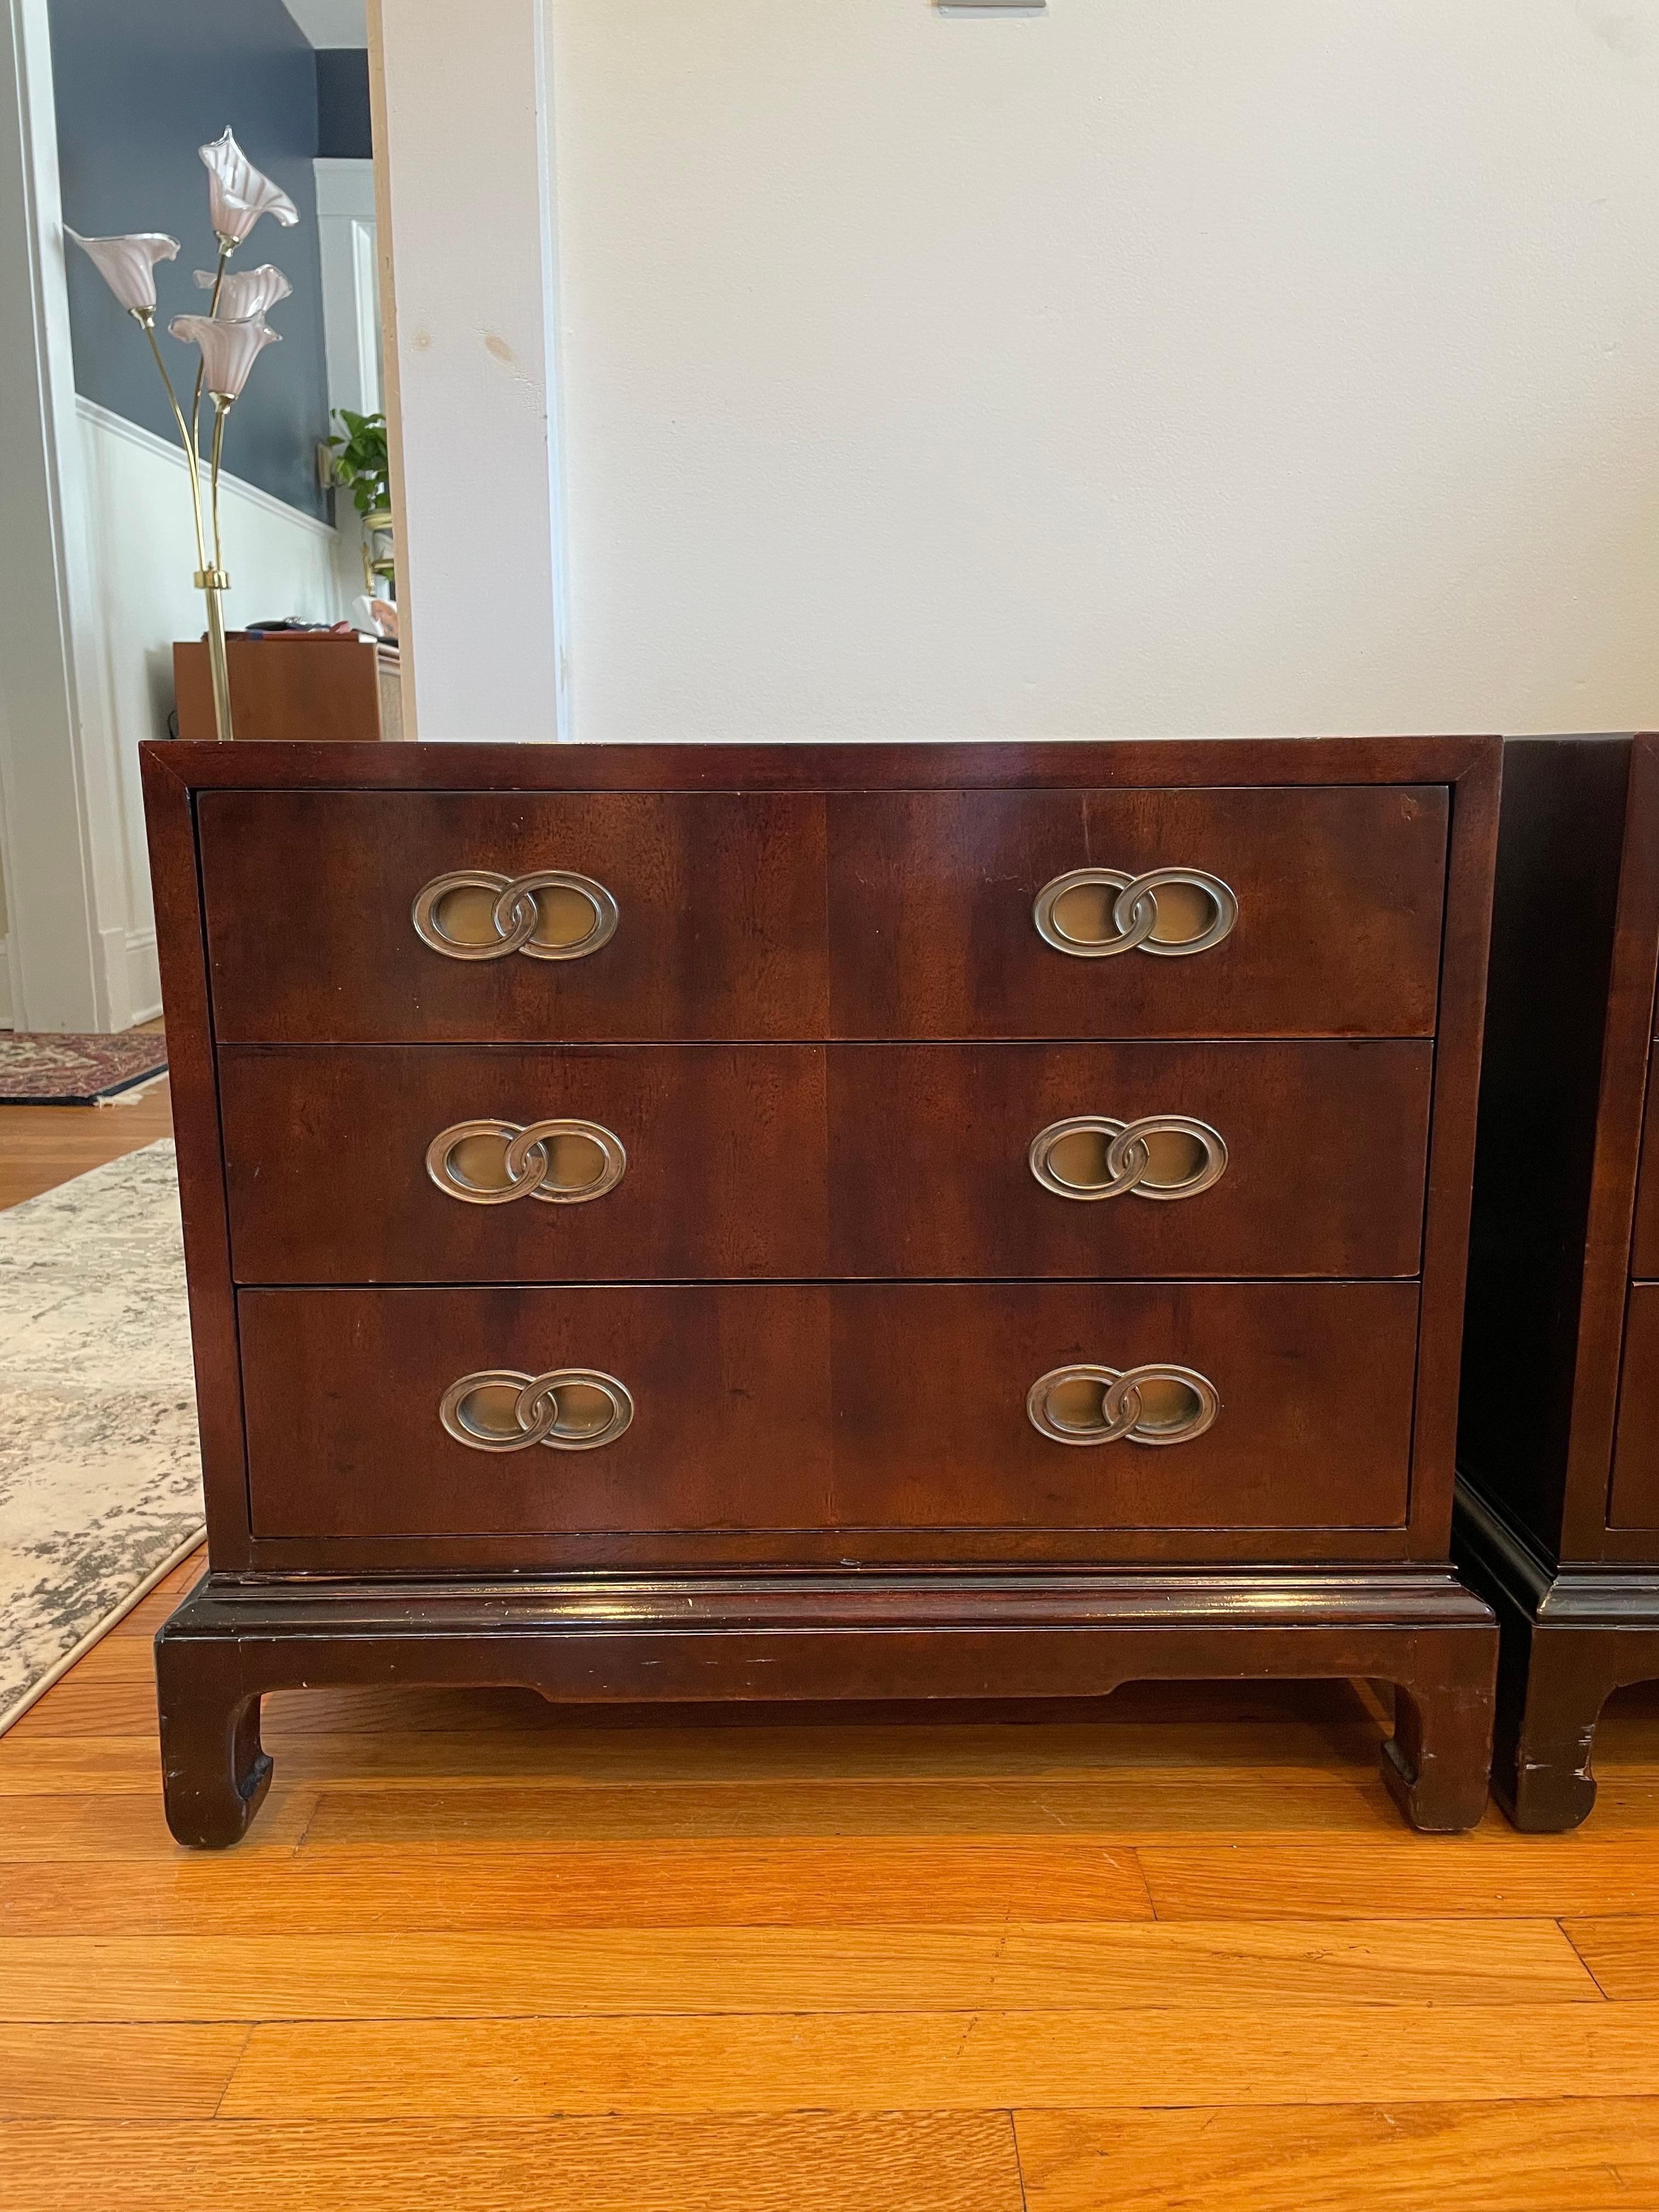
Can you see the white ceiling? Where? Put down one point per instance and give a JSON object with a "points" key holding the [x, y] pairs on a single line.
{"points": [[331, 22]]}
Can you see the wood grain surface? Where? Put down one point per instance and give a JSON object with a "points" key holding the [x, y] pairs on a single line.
{"points": [[1173, 1948], [720, 897], [862, 1406], [1340, 894], [791, 1161]]}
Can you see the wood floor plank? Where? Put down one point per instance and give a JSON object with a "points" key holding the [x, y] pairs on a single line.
{"points": [[1493, 1871], [793, 1883], [812, 2162], [148, 1615], [118, 1829], [41, 1147], [1122, 1810], [125, 2071], [938, 2062], [1623, 1955], [1599, 2154], [1627, 1734], [379, 1974], [54, 1756]]}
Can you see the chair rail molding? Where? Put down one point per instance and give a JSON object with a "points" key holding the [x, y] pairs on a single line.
{"points": [[469, 296], [61, 845]]}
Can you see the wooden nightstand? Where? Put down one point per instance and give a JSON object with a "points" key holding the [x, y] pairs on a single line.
{"points": [[825, 1223], [1559, 1500]]}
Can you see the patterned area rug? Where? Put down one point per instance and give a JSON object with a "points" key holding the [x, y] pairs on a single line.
{"points": [[100, 1488], [39, 1070]]}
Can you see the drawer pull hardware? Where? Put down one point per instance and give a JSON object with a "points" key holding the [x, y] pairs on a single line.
{"points": [[1155, 1405], [560, 1163], [501, 1409], [1092, 913], [1162, 1156], [473, 913]]}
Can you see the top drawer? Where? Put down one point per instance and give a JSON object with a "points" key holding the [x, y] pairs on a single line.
{"points": [[1309, 912], [717, 900], [355, 917]]}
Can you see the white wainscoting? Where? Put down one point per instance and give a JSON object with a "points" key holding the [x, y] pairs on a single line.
{"points": [[143, 549]]}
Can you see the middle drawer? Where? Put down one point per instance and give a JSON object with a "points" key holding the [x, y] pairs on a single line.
{"points": [[418, 1164]]}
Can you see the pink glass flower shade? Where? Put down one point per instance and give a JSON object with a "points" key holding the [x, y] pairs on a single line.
{"points": [[127, 264], [239, 194], [245, 292], [229, 349]]}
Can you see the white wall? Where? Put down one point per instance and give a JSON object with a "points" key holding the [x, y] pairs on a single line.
{"points": [[1175, 367], [143, 550], [466, 296]]}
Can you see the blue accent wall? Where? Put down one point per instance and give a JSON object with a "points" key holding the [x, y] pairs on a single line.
{"points": [[139, 87], [344, 131]]}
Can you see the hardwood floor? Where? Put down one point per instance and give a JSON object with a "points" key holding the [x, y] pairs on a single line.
{"points": [[41, 1147], [1175, 1951]]}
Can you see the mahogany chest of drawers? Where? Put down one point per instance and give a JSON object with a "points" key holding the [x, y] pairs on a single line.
{"points": [[1558, 1520], [825, 1223]]}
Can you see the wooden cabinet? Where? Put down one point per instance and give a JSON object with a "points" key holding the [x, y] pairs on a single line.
{"points": [[313, 684], [1557, 1518], [826, 1222]]}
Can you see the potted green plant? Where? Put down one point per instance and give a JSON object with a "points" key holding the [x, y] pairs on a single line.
{"points": [[359, 463]]}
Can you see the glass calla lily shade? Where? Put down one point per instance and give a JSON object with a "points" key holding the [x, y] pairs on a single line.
{"points": [[239, 194], [245, 292], [230, 349], [127, 264]]}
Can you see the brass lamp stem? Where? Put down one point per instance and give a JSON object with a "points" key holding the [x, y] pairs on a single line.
{"points": [[215, 583], [213, 580], [226, 249], [146, 322]]}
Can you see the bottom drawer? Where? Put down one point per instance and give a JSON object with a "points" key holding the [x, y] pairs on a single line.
{"points": [[866, 1405]]}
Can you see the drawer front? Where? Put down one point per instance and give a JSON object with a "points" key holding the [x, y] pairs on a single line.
{"points": [[730, 1389], [1317, 1154], [861, 1407], [717, 1154], [1634, 1494], [703, 912], [1338, 896], [1645, 1244], [1315, 1382], [396, 1164]]}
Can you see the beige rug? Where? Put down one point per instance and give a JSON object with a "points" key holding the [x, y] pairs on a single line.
{"points": [[101, 1489]]}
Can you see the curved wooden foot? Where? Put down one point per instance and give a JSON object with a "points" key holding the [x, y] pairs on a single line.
{"points": [[1438, 1764], [1554, 1688], [213, 1773]]}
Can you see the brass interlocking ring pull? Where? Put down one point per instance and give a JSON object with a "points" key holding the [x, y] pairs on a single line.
{"points": [[1163, 1155], [1093, 913], [560, 1163], [473, 913], [1154, 1404], [501, 1409]]}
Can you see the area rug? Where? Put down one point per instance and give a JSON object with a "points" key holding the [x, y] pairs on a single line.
{"points": [[39, 1070], [100, 1487]]}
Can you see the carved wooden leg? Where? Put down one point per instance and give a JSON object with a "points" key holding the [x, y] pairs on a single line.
{"points": [[1438, 1764], [1553, 1688], [213, 1773]]}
